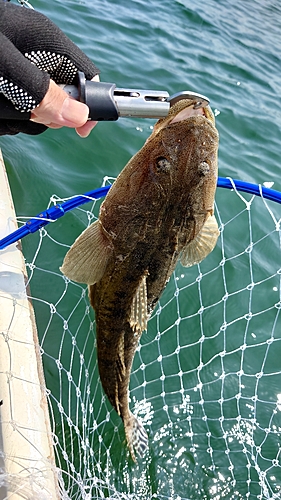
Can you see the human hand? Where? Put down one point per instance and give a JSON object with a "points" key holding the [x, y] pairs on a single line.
{"points": [[58, 109]]}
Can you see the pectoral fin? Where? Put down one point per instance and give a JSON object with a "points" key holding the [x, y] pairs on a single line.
{"points": [[202, 245], [139, 316], [87, 259]]}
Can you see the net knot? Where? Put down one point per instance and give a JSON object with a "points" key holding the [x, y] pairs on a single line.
{"points": [[249, 248], [53, 309], [248, 316], [59, 365], [250, 286]]}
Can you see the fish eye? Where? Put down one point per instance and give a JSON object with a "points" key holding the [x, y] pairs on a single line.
{"points": [[203, 168], [162, 164]]}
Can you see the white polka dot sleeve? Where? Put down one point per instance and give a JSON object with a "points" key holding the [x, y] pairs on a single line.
{"points": [[25, 87], [33, 50]]}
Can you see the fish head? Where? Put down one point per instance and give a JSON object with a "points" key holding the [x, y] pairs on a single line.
{"points": [[181, 154], [174, 174]]}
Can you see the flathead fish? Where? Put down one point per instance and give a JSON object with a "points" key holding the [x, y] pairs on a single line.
{"points": [[159, 210]]}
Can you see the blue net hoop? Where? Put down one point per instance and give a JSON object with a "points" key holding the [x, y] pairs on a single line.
{"points": [[57, 211]]}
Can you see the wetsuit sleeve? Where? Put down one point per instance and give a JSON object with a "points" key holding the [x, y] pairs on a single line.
{"points": [[33, 50]]}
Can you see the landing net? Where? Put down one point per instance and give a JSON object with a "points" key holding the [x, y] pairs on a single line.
{"points": [[206, 379]]}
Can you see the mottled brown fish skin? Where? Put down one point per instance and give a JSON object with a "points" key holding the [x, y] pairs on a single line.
{"points": [[156, 207], [150, 213]]}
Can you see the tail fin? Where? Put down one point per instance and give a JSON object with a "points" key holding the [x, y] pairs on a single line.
{"points": [[136, 437]]}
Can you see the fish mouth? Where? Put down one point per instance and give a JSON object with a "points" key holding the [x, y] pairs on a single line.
{"points": [[189, 111], [180, 111]]}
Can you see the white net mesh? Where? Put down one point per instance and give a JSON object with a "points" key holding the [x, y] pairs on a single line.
{"points": [[206, 379]]}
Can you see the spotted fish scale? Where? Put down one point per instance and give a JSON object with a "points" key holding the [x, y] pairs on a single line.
{"points": [[159, 210]]}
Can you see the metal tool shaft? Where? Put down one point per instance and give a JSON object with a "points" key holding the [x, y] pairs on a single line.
{"points": [[127, 102], [142, 103]]}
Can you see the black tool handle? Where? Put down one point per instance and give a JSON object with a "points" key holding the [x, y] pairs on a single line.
{"points": [[98, 96]]}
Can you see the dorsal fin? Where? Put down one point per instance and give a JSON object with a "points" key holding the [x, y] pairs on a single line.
{"points": [[139, 316]]}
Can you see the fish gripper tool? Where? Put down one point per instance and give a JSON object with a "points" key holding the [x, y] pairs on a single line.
{"points": [[108, 103]]}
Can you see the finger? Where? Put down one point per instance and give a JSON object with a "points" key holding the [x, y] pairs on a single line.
{"points": [[53, 125], [73, 113], [85, 130], [58, 108]]}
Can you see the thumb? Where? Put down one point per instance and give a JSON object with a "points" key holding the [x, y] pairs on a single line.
{"points": [[57, 109], [73, 113]]}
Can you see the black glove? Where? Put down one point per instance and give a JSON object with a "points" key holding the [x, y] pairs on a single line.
{"points": [[33, 50]]}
